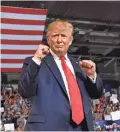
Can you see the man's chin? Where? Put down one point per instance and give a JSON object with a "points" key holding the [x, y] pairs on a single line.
{"points": [[61, 53], [61, 50]]}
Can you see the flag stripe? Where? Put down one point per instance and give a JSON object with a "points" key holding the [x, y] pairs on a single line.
{"points": [[19, 47], [18, 51], [11, 65], [11, 69], [21, 42], [15, 56], [23, 16], [25, 22], [23, 10], [21, 32], [12, 61], [21, 37], [22, 27]]}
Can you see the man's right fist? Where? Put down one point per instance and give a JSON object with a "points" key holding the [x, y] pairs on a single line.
{"points": [[41, 52]]}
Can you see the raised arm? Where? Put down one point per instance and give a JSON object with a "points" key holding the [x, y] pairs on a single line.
{"points": [[93, 82], [29, 76]]}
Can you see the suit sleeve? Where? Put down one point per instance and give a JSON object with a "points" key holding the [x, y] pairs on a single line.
{"points": [[28, 78], [95, 90]]}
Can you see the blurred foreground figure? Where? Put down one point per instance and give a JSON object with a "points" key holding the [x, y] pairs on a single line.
{"points": [[61, 87]]}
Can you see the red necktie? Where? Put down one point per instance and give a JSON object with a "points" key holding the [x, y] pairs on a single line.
{"points": [[74, 91]]}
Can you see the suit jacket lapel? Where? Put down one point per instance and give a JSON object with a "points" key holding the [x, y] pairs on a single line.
{"points": [[78, 71], [55, 70]]}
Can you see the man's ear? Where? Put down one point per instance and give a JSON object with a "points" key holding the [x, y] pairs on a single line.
{"points": [[47, 38]]}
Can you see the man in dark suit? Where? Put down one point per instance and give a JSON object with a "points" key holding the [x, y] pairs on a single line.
{"points": [[61, 87]]}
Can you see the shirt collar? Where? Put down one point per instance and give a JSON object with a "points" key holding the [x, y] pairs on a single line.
{"points": [[56, 57]]}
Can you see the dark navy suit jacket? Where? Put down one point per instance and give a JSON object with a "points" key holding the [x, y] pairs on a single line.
{"points": [[50, 106]]}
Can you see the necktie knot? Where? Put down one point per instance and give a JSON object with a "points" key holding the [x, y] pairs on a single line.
{"points": [[62, 58]]}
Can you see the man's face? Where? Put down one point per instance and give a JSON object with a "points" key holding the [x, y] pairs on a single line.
{"points": [[59, 39]]}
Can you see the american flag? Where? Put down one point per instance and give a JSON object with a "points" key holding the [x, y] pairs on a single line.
{"points": [[21, 33]]}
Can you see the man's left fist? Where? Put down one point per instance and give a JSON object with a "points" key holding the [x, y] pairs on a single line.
{"points": [[89, 67]]}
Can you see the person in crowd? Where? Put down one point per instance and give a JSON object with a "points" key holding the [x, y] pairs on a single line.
{"points": [[12, 109], [21, 122], [103, 128], [97, 126], [61, 85], [115, 127]]}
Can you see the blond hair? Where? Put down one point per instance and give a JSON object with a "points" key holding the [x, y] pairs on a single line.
{"points": [[61, 22]]}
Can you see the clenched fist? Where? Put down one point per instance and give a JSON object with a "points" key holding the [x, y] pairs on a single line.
{"points": [[41, 52], [89, 67]]}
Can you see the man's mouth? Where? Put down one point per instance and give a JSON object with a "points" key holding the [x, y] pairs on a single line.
{"points": [[60, 46]]}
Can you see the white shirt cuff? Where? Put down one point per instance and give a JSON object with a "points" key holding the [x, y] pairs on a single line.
{"points": [[36, 61], [93, 79]]}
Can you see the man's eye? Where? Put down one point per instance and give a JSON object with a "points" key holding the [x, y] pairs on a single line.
{"points": [[55, 35], [64, 36]]}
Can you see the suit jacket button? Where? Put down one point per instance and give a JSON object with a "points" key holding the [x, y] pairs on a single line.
{"points": [[66, 122], [67, 105]]}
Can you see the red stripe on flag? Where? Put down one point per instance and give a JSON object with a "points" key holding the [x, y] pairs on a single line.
{"points": [[11, 69], [18, 51], [21, 32], [21, 42], [12, 60], [25, 22], [23, 10]]}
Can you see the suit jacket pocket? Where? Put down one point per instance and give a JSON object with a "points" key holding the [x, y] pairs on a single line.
{"points": [[36, 118]]}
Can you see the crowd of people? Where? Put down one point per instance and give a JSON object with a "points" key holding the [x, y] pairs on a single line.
{"points": [[114, 127], [17, 108], [102, 109]]}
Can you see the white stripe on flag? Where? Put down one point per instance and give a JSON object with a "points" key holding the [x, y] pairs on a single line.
{"points": [[15, 56], [23, 16], [21, 37], [22, 27], [14, 65], [19, 47]]}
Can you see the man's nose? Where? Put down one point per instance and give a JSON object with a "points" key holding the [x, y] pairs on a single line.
{"points": [[59, 38]]}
